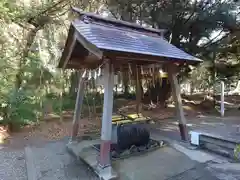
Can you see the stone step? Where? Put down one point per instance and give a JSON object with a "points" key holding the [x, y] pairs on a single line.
{"points": [[223, 145], [30, 164]]}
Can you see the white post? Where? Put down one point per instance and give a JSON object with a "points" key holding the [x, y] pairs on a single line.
{"points": [[106, 133], [222, 99]]}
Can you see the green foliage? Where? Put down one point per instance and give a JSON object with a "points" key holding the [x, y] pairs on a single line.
{"points": [[60, 104], [23, 55], [92, 99], [67, 103], [201, 77], [8, 10], [22, 108], [237, 152]]}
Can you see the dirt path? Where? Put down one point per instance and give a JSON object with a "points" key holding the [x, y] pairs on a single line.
{"points": [[52, 128], [47, 130]]}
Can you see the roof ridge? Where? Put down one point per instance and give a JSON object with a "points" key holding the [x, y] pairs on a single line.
{"points": [[118, 23], [116, 28]]}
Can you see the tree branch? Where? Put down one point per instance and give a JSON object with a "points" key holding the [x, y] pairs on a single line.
{"points": [[212, 40], [31, 19], [114, 15], [194, 10]]}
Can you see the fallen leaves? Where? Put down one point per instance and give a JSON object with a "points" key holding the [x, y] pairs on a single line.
{"points": [[3, 134]]}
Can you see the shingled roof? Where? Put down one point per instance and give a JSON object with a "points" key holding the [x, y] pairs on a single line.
{"points": [[94, 37]]}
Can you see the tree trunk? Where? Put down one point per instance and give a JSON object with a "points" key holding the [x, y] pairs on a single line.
{"points": [[22, 61]]}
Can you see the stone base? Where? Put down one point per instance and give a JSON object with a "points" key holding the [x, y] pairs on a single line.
{"points": [[106, 173], [85, 152], [223, 145], [162, 163]]}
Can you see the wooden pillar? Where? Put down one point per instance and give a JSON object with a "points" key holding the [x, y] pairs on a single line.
{"points": [[172, 74], [78, 107], [106, 133]]}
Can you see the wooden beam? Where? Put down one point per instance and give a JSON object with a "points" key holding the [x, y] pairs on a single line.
{"points": [[78, 106], [172, 74], [69, 52], [143, 58]]}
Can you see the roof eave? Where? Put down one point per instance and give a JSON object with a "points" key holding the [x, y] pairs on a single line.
{"points": [[72, 38], [69, 45]]}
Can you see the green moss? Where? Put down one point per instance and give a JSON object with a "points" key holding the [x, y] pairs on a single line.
{"points": [[237, 152]]}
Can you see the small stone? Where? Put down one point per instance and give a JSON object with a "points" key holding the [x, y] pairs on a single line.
{"points": [[20, 158]]}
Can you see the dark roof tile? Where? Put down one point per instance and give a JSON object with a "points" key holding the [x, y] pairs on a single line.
{"points": [[114, 39]]}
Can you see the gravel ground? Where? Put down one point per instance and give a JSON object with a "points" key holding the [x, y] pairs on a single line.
{"points": [[224, 175], [199, 172], [12, 165], [52, 162], [225, 171]]}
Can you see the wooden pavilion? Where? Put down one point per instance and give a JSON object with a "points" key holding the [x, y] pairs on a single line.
{"points": [[94, 41]]}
